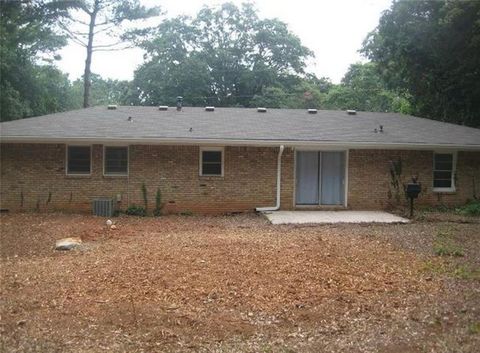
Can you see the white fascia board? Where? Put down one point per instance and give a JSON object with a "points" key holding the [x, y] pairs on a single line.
{"points": [[237, 142]]}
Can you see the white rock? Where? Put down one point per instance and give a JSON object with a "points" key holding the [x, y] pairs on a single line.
{"points": [[67, 243], [109, 223]]}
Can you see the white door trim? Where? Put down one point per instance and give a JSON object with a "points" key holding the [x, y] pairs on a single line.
{"points": [[345, 177]]}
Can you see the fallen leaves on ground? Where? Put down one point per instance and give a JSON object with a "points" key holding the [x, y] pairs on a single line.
{"points": [[221, 284]]}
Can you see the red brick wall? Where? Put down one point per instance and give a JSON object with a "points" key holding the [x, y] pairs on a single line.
{"points": [[369, 180], [33, 177]]}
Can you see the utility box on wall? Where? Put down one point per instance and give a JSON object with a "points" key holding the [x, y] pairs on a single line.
{"points": [[103, 207]]}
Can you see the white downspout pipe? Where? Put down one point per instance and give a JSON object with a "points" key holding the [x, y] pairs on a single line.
{"points": [[279, 179]]}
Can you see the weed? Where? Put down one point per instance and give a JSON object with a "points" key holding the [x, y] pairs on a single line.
{"points": [[444, 245], [158, 203], [186, 213], [464, 272], [474, 328], [472, 208], [451, 270], [144, 195]]}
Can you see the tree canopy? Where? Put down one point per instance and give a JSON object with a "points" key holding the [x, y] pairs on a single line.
{"points": [[117, 19], [431, 49], [224, 56], [425, 60], [28, 38]]}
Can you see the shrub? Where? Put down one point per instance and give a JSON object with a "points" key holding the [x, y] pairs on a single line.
{"points": [[135, 210]]}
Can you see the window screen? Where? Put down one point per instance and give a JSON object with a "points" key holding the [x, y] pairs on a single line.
{"points": [[78, 160], [443, 170], [211, 163], [116, 160]]}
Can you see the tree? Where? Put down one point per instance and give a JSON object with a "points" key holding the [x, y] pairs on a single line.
{"points": [[431, 49], [27, 38], [104, 92], [116, 19], [362, 88], [224, 56]]}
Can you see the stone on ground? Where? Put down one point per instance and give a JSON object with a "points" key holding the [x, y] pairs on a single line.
{"points": [[67, 243]]}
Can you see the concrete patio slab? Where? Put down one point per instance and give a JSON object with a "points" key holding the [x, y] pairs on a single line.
{"points": [[299, 217]]}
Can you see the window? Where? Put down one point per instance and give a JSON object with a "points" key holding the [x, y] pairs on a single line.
{"points": [[211, 161], [78, 160], [444, 171], [115, 160]]}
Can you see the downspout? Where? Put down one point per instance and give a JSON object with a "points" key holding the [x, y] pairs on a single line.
{"points": [[279, 178]]}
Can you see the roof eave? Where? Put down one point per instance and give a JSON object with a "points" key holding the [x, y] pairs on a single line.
{"points": [[236, 142]]}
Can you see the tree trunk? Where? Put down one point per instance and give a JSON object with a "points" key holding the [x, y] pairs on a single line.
{"points": [[88, 62]]}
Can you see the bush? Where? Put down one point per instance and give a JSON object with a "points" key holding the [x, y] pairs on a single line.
{"points": [[135, 210], [470, 209]]}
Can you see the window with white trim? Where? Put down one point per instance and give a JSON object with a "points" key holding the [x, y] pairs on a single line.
{"points": [[79, 160], [115, 159], [444, 171], [211, 161]]}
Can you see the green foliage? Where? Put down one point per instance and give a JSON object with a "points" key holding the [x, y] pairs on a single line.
{"points": [[28, 38], [135, 210], [103, 92], [158, 203], [223, 56], [430, 49], [186, 213], [474, 328], [459, 271], [363, 89], [470, 209], [444, 245], [145, 196], [117, 21]]}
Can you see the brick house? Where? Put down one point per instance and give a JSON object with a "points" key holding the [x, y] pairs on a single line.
{"points": [[234, 159]]}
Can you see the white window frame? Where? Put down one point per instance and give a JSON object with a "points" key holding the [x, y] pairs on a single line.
{"points": [[66, 161], [454, 170], [105, 160], [211, 149]]}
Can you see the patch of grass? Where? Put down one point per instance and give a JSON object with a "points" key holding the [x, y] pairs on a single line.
{"points": [[472, 208], [474, 328], [465, 272], [448, 249], [186, 213], [455, 271], [444, 245]]}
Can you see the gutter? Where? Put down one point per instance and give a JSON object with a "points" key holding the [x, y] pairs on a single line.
{"points": [[279, 177], [238, 142]]}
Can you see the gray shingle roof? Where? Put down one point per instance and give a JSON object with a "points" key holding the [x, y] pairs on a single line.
{"points": [[293, 126]]}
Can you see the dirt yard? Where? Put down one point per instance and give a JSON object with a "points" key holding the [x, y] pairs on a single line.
{"points": [[238, 284]]}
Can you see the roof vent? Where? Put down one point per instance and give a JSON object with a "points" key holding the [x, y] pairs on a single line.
{"points": [[163, 107], [351, 112], [179, 103], [111, 106], [261, 110], [312, 111], [209, 109]]}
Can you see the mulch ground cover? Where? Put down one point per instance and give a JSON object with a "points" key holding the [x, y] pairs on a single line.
{"points": [[237, 284]]}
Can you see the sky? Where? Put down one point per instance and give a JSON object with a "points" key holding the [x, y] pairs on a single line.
{"points": [[333, 29]]}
